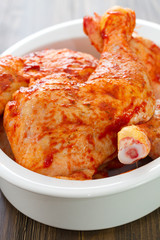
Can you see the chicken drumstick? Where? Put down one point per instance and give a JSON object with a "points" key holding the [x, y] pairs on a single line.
{"points": [[133, 143]]}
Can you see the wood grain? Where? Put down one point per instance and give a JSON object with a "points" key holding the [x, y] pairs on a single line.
{"points": [[18, 19]]}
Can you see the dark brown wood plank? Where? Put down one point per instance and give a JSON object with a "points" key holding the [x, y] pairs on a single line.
{"points": [[8, 219], [16, 226], [146, 228], [99, 234]]}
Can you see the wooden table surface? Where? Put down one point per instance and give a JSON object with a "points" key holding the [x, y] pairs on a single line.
{"points": [[18, 19]]}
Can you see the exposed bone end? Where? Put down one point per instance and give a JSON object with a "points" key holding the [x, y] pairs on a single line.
{"points": [[133, 144]]}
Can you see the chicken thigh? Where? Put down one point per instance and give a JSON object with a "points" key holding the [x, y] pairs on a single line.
{"points": [[16, 72]]}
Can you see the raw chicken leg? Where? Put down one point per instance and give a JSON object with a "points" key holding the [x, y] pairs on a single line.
{"points": [[133, 139], [64, 127]]}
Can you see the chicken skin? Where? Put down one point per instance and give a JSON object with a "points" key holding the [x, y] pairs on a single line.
{"points": [[147, 52], [10, 79], [16, 72], [63, 126]]}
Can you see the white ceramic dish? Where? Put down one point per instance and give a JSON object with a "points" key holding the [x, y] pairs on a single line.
{"points": [[80, 205]]}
